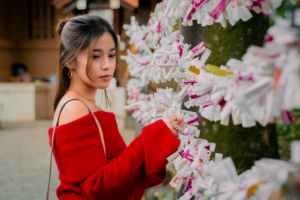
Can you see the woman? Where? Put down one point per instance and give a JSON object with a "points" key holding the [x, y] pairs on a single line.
{"points": [[87, 63]]}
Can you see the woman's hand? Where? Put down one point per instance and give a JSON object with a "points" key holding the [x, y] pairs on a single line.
{"points": [[175, 123]]}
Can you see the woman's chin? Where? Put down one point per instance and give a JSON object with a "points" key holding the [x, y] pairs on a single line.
{"points": [[103, 86]]}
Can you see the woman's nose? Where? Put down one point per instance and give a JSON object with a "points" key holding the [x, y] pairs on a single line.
{"points": [[105, 64]]}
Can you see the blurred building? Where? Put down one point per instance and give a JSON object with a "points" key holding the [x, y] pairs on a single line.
{"points": [[27, 27], [27, 37]]}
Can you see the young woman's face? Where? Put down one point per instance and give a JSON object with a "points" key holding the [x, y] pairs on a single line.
{"points": [[103, 63]]}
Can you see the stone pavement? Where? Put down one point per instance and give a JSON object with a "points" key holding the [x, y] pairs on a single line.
{"points": [[25, 158]]}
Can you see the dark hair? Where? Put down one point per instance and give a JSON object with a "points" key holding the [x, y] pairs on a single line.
{"points": [[75, 34], [18, 69]]}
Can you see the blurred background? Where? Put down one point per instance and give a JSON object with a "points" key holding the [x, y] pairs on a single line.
{"points": [[29, 57]]}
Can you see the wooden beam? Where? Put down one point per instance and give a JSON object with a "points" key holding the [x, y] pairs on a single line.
{"points": [[61, 3]]}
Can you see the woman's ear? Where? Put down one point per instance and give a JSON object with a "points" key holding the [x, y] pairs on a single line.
{"points": [[70, 65]]}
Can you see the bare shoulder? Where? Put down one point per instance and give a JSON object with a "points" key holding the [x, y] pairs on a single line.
{"points": [[72, 110]]}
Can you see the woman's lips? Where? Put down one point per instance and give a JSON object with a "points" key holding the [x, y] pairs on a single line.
{"points": [[106, 77]]}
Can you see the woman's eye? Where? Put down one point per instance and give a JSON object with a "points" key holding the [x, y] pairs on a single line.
{"points": [[112, 56], [95, 57]]}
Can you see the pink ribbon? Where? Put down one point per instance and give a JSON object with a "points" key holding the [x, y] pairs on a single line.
{"points": [[159, 27], [139, 120], [133, 110], [192, 82], [194, 119], [219, 9], [268, 38], [206, 103], [189, 15], [203, 53], [198, 47], [181, 153], [166, 60], [249, 4], [189, 185], [178, 38], [248, 77], [144, 64], [145, 36], [191, 192], [188, 156], [199, 3], [207, 148], [286, 116], [222, 103], [180, 48], [185, 134], [194, 96]]}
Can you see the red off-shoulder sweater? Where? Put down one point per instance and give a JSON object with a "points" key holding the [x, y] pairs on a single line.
{"points": [[124, 173]]}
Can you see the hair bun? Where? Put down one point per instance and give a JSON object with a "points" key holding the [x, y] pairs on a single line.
{"points": [[60, 26]]}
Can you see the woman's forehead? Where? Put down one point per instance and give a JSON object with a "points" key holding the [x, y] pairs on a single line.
{"points": [[104, 42]]}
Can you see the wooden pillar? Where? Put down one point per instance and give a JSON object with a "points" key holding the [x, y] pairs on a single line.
{"points": [[193, 35], [116, 21], [143, 11]]}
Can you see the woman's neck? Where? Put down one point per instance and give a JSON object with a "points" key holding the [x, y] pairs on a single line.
{"points": [[83, 89]]}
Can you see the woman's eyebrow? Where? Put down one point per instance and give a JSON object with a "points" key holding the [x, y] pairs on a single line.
{"points": [[100, 50]]}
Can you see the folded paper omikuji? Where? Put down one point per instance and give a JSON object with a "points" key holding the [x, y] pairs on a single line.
{"points": [[263, 85], [204, 178], [250, 90], [206, 12], [208, 179]]}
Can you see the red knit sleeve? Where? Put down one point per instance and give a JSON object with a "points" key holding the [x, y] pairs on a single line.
{"points": [[141, 165]]}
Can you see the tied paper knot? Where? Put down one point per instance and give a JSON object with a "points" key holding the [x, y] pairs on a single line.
{"points": [[192, 82], [198, 47], [133, 110], [192, 11], [248, 77], [189, 185], [193, 119], [219, 9], [166, 60], [159, 27], [145, 36], [144, 63], [177, 38], [180, 48], [194, 96], [186, 134], [207, 148], [198, 3], [286, 117], [139, 120], [189, 156], [207, 103], [181, 153], [268, 38]]}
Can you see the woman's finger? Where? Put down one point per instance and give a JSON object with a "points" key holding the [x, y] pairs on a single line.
{"points": [[180, 120], [176, 127], [173, 130]]}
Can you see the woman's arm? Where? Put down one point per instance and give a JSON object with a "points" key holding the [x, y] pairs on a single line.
{"points": [[142, 164], [139, 166]]}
